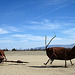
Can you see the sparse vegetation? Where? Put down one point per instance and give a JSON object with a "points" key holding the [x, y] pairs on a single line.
{"points": [[32, 49]]}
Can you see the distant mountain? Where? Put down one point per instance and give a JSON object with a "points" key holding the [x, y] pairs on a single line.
{"points": [[66, 46]]}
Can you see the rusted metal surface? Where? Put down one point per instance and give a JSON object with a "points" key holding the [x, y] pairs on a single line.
{"points": [[18, 61], [59, 53], [2, 56], [4, 59]]}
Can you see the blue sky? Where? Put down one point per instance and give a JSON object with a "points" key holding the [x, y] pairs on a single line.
{"points": [[24, 23]]}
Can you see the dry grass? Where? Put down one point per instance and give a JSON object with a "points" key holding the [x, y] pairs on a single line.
{"points": [[35, 65]]}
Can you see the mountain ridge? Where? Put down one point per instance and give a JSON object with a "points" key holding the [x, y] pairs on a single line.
{"points": [[57, 45]]}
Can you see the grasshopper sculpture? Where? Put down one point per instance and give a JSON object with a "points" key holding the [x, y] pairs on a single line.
{"points": [[59, 53]]}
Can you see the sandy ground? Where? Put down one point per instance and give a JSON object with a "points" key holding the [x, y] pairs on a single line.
{"points": [[35, 64]]}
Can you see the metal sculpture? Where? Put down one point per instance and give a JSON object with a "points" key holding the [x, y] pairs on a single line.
{"points": [[4, 59], [59, 53]]}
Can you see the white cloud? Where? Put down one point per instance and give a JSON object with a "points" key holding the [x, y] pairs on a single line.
{"points": [[10, 28], [19, 35], [55, 2], [67, 17], [2, 31], [30, 37], [6, 41], [43, 25], [31, 41], [70, 31]]}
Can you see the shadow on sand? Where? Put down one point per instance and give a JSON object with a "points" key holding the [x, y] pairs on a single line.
{"points": [[48, 66]]}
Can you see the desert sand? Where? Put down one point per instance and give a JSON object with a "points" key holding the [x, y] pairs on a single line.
{"points": [[35, 64]]}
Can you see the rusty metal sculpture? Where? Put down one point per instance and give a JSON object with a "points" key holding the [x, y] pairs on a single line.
{"points": [[59, 53], [2, 56], [4, 59]]}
